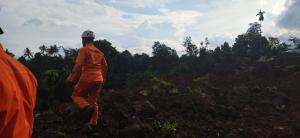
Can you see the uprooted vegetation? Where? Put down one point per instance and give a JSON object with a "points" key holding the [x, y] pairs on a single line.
{"points": [[257, 100]]}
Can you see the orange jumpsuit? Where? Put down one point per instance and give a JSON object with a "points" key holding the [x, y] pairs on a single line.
{"points": [[92, 65], [17, 98]]}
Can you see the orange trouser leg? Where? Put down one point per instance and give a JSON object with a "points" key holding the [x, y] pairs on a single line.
{"points": [[81, 89], [93, 100]]}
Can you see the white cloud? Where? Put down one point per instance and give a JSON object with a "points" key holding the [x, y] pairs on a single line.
{"points": [[131, 24], [37, 22]]}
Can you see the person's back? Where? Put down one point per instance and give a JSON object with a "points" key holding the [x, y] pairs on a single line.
{"points": [[17, 98], [92, 66]]}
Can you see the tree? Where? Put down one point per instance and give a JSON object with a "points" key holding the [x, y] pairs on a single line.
{"points": [[49, 83], [261, 15], [106, 47], [207, 43], [217, 54], [124, 65], [140, 62], [203, 52], [114, 79], [277, 47], [274, 42], [70, 57], [254, 29], [201, 44], [191, 49], [53, 50], [28, 54], [43, 49], [161, 50], [164, 58], [226, 52], [251, 44], [295, 41]]}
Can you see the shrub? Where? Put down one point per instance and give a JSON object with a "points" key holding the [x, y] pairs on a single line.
{"points": [[163, 86], [137, 78], [168, 128]]}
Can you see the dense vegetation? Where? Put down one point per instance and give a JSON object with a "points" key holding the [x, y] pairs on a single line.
{"points": [[205, 92], [52, 64]]}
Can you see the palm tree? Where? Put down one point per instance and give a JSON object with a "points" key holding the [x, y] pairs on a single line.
{"points": [[261, 15], [43, 49], [28, 54], [53, 50]]}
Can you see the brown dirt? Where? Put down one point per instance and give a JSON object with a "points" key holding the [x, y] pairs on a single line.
{"points": [[261, 100]]}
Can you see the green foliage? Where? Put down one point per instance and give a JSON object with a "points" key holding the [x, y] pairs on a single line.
{"points": [[43, 49], [163, 86], [226, 53], [51, 77], [136, 78], [49, 82], [252, 44], [168, 128], [180, 68], [190, 48], [52, 64], [255, 29], [28, 54], [117, 72], [217, 54], [164, 58], [159, 86], [276, 47], [52, 50]]}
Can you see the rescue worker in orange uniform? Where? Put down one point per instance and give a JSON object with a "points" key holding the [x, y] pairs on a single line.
{"points": [[17, 97], [92, 66]]}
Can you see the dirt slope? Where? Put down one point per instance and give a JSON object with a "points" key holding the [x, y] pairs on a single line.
{"points": [[259, 100]]}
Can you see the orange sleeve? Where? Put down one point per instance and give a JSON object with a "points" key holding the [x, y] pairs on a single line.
{"points": [[104, 67], [78, 65]]}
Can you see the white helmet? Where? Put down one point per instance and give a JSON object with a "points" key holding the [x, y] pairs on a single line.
{"points": [[88, 34]]}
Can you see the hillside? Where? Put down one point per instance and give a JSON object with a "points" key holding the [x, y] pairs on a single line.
{"points": [[260, 99]]}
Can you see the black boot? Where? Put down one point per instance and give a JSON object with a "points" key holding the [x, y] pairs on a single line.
{"points": [[87, 113]]}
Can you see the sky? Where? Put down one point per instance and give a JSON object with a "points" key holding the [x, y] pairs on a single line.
{"points": [[135, 25]]}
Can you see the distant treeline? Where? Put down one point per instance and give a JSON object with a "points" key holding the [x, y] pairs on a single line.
{"points": [[51, 67]]}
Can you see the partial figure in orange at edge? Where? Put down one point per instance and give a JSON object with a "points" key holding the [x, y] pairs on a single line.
{"points": [[17, 97]]}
